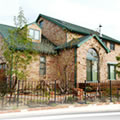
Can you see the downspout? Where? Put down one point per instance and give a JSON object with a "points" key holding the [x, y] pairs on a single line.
{"points": [[75, 69]]}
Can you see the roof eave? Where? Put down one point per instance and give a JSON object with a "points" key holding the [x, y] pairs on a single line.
{"points": [[106, 49], [60, 25]]}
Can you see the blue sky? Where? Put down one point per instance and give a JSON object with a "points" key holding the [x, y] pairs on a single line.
{"points": [[86, 13]]}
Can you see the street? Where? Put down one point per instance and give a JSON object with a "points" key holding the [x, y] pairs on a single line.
{"points": [[71, 116]]}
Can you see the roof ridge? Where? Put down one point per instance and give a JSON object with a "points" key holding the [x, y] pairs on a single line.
{"points": [[61, 22], [76, 28]]}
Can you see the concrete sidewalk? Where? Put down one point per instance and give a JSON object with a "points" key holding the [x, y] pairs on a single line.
{"points": [[60, 109], [70, 112]]}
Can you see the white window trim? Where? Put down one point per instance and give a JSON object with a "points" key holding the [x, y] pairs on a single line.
{"points": [[34, 34]]}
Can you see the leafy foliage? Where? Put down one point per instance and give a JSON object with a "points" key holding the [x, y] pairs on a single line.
{"points": [[17, 48]]}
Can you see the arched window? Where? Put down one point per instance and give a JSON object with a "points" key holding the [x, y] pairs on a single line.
{"points": [[92, 65]]}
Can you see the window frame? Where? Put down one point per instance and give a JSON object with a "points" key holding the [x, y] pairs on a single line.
{"points": [[112, 46], [43, 69], [105, 42], [109, 76], [3, 66], [33, 37], [41, 23], [91, 67]]}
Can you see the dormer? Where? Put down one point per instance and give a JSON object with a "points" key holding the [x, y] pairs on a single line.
{"points": [[34, 32]]}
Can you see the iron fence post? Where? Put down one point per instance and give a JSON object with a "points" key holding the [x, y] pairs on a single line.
{"points": [[18, 93], [117, 94], [85, 92], [110, 91], [55, 92], [2, 102]]}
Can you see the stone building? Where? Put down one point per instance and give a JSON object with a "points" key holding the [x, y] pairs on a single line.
{"points": [[70, 51]]}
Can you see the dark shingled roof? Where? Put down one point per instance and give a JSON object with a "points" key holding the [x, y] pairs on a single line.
{"points": [[45, 46], [76, 28], [4, 30]]}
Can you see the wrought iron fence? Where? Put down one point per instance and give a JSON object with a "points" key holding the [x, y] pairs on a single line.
{"points": [[105, 91], [30, 93]]}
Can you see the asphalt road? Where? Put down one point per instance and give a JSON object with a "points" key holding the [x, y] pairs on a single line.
{"points": [[71, 116]]}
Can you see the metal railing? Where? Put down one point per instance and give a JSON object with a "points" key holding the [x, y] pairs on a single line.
{"points": [[41, 93]]}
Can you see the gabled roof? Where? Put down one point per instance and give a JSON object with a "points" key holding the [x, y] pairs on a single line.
{"points": [[78, 42], [75, 28], [43, 47]]}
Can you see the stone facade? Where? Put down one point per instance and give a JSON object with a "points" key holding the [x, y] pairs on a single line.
{"points": [[66, 64], [34, 69], [55, 64], [71, 36], [53, 32], [63, 64], [104, 59]]}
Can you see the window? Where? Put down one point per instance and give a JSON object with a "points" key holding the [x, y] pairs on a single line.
{"points": [[41, 23], [92, 65], [31, 33], [111, 72], [112, 46], [37, 35], [34, 34], [105, 42], [42, 65], [3, 66]]}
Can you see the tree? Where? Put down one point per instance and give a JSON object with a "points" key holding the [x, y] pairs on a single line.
{"points": [[66, 71], [17, 50], [66, 68]]}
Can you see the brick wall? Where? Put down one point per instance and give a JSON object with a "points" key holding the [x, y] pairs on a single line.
{"points": [[53, 32], [103, 57], [66, 57], [34, 67], [56, 34], [71, 36]]}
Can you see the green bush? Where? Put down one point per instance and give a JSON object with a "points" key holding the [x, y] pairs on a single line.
{"points": [[89, 89]]}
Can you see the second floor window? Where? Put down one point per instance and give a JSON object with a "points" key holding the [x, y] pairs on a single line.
{"points": [[41, 23], [105, 42], [42, 65], [112, 46], [34, 34]]}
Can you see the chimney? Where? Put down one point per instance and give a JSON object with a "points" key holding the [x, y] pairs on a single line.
{"points": [[100, 26]]}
